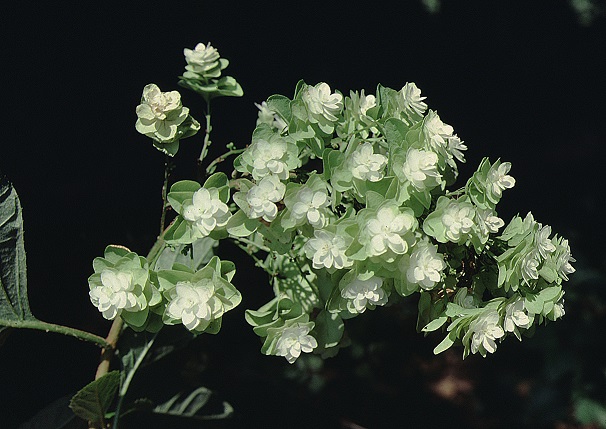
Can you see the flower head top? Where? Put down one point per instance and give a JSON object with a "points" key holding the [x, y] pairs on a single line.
{"points": [[486, 330], [327, 250], [263, 196], [198, 299], [268, 154], [411, 102], [421, 169], [363, 293], [322, 105], [203, 62], [206, 211], [162, 117], [367, 165], [424, 266], [388, 230], [121, 287]]}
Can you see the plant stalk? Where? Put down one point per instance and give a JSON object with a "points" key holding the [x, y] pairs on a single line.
{"points": [[59, 329]]}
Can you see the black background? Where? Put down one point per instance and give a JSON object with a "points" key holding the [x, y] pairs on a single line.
{"points": [[519, 80]]}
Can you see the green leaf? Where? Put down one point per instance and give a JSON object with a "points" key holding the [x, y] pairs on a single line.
{"points": [[93, 400], [328, 330], [14, 306], [239, 225], [197, 404], [435, 324], [446, 343], [588, 411], [132, 350], [194, 255]]}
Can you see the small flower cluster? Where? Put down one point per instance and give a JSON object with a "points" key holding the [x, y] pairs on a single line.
{"points": [[123, 285]]}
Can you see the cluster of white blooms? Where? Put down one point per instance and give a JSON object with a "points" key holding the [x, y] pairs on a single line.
{"points": [[206, 211], [115, 293], [361, 293], [367, 102], [486, 330], [263, 196], [367, 165], [425, 266], [421, 169], [194, 304], [293, 341], [321, 104], [327, 250]]}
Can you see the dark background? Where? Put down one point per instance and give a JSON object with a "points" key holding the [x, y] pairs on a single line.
{"points": [[519, 80]]}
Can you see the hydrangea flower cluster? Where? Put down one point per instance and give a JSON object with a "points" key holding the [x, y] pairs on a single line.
{"points": [[375, 221], [123, 285]]}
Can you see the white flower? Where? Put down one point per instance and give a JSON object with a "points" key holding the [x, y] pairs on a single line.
{"points": [[529, 267], [206, 211], [327, 250], [543, 242], [202, 59], [194, 304], [311, 205], [421, 169], [410, 100], [293, 341], [516, 317], [160, 114], [116, 293], [499, 180], [367, 165], [321, 104], [362, 293], [564, 260], [458, 220], [262, 197], [424, 266], [435, 131], [455, 146], [387, 229], [558, 311], [269, 157], [486, 329], [488, 222], [271, 118], [367, 102]]}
